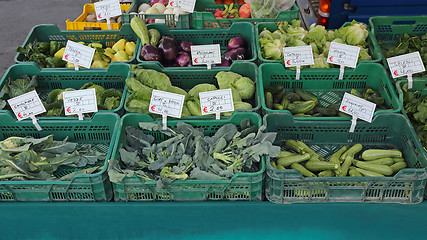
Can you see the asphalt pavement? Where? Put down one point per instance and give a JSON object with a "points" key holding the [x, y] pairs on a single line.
{"points": [[18, 17]]}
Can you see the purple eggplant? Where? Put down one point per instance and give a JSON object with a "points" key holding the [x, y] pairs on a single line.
{"points": [[224, 63], [236, 42], [183, 59], [150, 53], [185, 46], [235, 54], [168, 48]]}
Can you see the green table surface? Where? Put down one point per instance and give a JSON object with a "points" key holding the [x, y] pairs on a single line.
{"points": [[212, 220]]}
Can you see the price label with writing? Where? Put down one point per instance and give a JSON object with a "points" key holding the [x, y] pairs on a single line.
{"points": [[185, 5], [78, 54], [205, 54], [406, 64], [166, 103], [343, 54], [107, 8], [26, 105], [80, 101], [358, 107], [298, 56], [217, 101]]}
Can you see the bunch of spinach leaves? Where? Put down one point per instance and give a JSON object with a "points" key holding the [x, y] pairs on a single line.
{"points": [[188, 154], [39, 158]]}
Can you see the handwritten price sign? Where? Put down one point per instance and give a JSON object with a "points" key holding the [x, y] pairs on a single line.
{"points": [[406, 64], [298, 56], [166, 103], [26, 105], [185, 5], [214, 102], [206, 54], [80, 101], [343, 54], [107, 8], [78, 54]]}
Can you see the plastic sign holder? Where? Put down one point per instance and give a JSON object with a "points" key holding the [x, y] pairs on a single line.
{"points": [[27, 105], [297, 57], [206, 55], [166, 104], [80, 102], [78, 54], [343, 55], [357, 108], [406, 65], [106, 9], [216, 102]]}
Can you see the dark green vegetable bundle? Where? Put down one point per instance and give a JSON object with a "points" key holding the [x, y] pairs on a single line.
{"points": [[304, 104], [42, 158], [43, 53], [14, 88], [372, 163], [189, 154], [408, 44], [416, 109]]}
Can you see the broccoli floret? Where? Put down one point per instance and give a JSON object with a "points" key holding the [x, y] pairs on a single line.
{"points": [[167, 173]]}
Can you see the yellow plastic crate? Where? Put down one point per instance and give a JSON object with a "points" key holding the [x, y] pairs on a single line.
{"points": [[79, 24]]}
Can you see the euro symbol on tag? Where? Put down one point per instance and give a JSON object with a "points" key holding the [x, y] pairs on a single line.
{"points": [[153, 108], [205, 109], [344, 108], [195, 60], [330, 58]]}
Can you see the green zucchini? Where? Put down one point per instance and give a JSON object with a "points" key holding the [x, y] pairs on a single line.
{"points": [[269, 100], [305, 95], [140, 29], [351, 151], [398, 166], [286, 161], [335, 158], [354, 173], [385, 161], [293, 145], [398, 160], [307, 149], [317, 166], [280, 167], [367, 173], [345, 166], [372, 154], [277, 106], [379, 168], [302, 170], [273, 164], [285, 154], [326, 173]]}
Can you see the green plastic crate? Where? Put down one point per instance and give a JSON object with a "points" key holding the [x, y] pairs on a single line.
{"points": [[184, 20], [326, 86], [386, 31], [100, 132], [188, 78], [50, 32], [216, 36], [241, 187], [203, 16], [50, 79], [376, 56], [386, 131]]}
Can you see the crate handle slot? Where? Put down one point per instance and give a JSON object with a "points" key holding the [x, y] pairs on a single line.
{"points": [[404, 22]]}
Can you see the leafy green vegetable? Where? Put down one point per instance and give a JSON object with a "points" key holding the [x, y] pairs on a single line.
{"points": [[19, 86], [188, 154]]}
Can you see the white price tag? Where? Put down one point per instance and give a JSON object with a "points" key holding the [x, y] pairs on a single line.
{"points": [[78, 54], [216, 102], [106, 9], [166, 103], [358, 108], [206, 54], [79, 102], [298, 56], [406, 65], [343, 54], [27, 105], [185, 5]]}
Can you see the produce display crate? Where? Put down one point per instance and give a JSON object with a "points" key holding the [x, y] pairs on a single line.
{"points": [[100, 132], [387, 131], [386, 31], [184, 20], [50, 32], [215, 36], [326, 86], [203, 16], [80, 23], [376, 56], [241, 187], [188, 78], [49, 79]]}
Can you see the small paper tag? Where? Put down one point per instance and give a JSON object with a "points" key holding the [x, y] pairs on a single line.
{"points": [[80, 101], [166, 103], [78, 54], [107, 8], [216, 101], [185, 5], [26, 105], [298, 56], [343, 54], [205, 54], [358, 107], [406, 64]]}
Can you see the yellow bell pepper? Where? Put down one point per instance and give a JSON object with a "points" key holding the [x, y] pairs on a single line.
{"points": [[130, 48], [120, 45], [98, 64], [60, 53], [121, 56]]}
